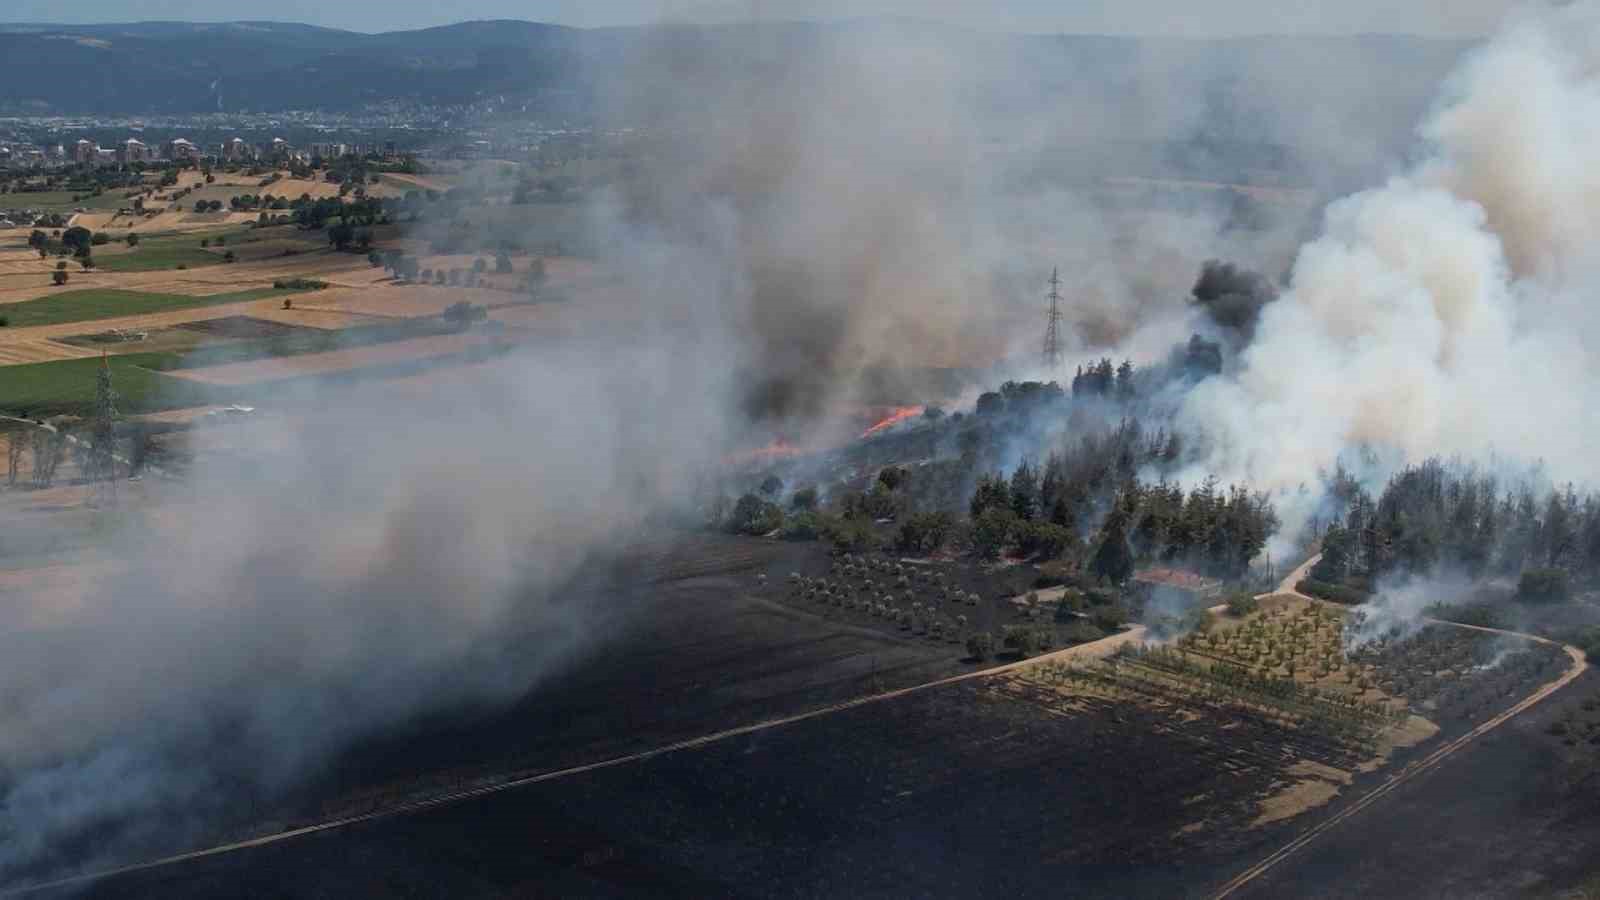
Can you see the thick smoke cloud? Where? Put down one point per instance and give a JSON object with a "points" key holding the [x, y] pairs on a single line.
{"points": [[808, 209], [1444, 312], [377, 565], [1232, 297]]}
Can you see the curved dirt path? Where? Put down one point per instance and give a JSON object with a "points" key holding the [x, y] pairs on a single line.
{"points": [[1416, 767], [1094, 650]]}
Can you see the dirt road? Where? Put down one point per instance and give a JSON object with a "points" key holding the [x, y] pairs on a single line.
{"points": [[1092, 650], [1413, 769]]}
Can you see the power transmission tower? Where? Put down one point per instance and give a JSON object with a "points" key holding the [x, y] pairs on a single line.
{"points": [[102, 448], [1052, 330]]}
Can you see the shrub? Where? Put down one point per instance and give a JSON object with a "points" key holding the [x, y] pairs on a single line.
{"points": [[805, 498], [100, 238], [461, 314], [846, 534], [891, 477], [1544, 586], [1483, 615], [1337, 593], [992, 531], [229, 257], [924, 532], [1242, 603], [59, 276], [1081, 632], [980, 645], [62, 264], [753, 515], [1024, 639], [801, 526], [298, 284], [205, 242], [1044, 539], [1109, 618]]}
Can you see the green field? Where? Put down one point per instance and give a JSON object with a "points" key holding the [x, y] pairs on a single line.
{"points": [[67, 387], [96, 303], [61, 201], [151, 255], [166, 251]]}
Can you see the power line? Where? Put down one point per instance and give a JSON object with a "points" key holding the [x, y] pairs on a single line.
{"points": [[1052, 329]]}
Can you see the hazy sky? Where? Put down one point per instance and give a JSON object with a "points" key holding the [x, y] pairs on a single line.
{"points": [[1167, 17]]}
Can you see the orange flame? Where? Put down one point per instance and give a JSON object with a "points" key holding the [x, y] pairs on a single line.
{"points": [[778, 449], [896, 415]]}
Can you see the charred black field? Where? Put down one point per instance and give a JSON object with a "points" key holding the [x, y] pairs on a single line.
{"points": [[900, 766]]}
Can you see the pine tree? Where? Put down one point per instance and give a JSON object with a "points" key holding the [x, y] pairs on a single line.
{"points": [[1113, 560]]}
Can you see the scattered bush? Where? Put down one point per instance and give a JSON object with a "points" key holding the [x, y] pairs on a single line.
{"points": [[753, 515], [1024, 639], [1080, 631], [59, 276], [100, 238], [1109, 618], [1337, 593], [298, 284], [891, 477], [461, 314], [848, 534], [801, 526], [1046, 540], [924, 532], [1544, 586], [980, 645], [1483, 615], [992, 531], [805, 498], [1242, 603]]}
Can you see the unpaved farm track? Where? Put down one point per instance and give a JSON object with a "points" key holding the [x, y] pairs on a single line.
{"points": [[1417, 767], [1094, 649]]}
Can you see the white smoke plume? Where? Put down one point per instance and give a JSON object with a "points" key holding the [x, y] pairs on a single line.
{"points": [[1448, 311], [806, 214]]}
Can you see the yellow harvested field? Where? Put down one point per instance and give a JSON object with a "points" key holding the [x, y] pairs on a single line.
{"points": [[236, 374], [410, 182], [23, 276], [182, 220], [34, 349], [395, 301]]}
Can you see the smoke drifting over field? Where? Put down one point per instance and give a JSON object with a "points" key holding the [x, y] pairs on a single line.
{"points": [[1447, 311], [376, 567], [813, 210]]}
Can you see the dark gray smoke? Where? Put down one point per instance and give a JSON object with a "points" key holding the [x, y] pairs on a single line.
{"points": [[810, 205], [1233, 297]]}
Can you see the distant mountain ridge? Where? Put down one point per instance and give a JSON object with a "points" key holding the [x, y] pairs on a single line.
{"points": [[183, 67]]}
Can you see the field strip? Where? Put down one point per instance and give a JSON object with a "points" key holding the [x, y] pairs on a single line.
{"points": [[1579, 664], [1102, 647]]}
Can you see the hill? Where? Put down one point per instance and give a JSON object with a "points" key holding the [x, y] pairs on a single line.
{"points": [[151, 67]]}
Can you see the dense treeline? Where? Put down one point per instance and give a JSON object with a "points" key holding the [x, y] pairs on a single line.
{"points": [[1436, 516], [1101, 500]]}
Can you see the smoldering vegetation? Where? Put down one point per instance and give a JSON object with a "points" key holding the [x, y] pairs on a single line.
{"points": [[809, 206], [1431, 309], [378, 564]]}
